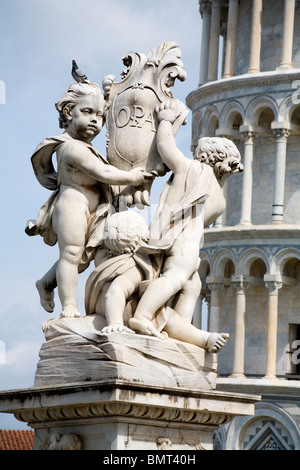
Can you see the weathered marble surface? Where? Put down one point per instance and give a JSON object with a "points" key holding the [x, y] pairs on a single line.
{"points": [[112, 416], [99, 384], [75, 351]]}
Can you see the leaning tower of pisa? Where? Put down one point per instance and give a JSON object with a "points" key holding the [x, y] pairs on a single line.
{"points": [[249, 91]]}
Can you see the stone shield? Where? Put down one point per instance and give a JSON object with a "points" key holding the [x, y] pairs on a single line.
{"points": [[131, 119], [132, 129]]}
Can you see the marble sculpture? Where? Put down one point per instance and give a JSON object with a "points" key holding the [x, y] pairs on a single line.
{"points": [[145, 279]]}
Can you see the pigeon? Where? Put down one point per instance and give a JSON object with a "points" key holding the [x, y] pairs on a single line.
{"points": [[77, 74]]}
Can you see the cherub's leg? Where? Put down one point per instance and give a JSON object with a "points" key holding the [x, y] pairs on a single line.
{"points": [[67, 287], [116, 296], [45, 287], [177, 269], [157, 294], [187, 299], [70, 224], [48, 283], [67, 278], [178, 328]]}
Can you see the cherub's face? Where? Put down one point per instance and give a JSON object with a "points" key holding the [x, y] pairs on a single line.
{"points": [[86, 118]]}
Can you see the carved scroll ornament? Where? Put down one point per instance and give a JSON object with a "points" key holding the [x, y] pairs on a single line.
{"points": [[131, 119]]}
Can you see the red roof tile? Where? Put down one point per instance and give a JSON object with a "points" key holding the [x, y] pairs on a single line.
{"points": [[16, 440]]}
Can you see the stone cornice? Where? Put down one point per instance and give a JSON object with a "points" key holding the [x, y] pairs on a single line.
{"points": [[286, 233], [76, 402], [240, 82], [267, 387], [120, 410]]}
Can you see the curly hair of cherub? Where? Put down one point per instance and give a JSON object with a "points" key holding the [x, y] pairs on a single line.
{"points": [[70, 99], [125, 232], [220, 153]]}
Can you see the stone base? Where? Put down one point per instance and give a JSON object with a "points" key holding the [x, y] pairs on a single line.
{"points": [[76, 352], [122, 391], [112, 416]]}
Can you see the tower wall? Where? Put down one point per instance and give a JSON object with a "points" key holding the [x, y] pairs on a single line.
{"points": [[250, 261]]}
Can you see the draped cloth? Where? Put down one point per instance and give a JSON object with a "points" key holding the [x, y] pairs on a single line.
{"points": [[107, 269], [48, 177], [169, 222], [149, 257]]}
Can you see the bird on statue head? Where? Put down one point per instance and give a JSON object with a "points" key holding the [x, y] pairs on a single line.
{"points": [[78, 74]]}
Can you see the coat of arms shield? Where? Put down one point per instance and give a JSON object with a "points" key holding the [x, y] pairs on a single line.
{"points": [[131, 119]]}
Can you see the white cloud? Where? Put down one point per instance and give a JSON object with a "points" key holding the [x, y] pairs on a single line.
{"points": [[20, 356]]}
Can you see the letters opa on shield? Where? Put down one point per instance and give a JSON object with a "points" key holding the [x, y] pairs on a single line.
{"points": [[132, 123]]}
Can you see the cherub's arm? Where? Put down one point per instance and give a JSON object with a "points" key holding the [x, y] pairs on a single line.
{"points": [[78, 156], [166, 145]]}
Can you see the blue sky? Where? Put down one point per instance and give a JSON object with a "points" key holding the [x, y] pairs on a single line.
{"points": [[38, 40]]}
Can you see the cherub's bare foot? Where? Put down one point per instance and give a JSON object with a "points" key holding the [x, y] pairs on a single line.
{"points": [[70, 311], [216, 341], [145, 326], [46, 296], [116, 328]]}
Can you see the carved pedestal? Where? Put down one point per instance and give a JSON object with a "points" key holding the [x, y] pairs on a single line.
{"points": [[116, 416], [122, 391]]}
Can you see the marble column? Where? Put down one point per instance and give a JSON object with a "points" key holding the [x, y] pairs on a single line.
{"points": [[214, 40], [205, 11], [221, 220], [279, 181], [255, 41], [207, 298], [223, 45], [287, 35], [246, 208], [215, 285], [240, 284], [233, 11], [271, 350]]}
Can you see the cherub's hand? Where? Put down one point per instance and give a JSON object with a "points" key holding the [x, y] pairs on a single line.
{"points": [[138, 176], [167, 112]]}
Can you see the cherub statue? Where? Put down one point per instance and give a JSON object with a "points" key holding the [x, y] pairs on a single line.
{"points": [[195, 187], [119, 275], [73, 214]]}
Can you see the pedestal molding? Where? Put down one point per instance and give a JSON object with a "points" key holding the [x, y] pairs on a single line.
{"points": [[50, 404]]}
